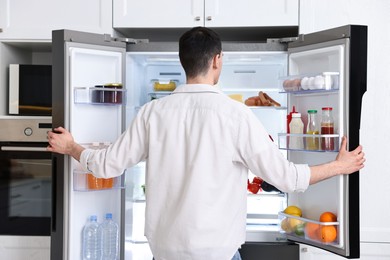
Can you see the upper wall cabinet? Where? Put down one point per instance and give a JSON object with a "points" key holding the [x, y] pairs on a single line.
{"points": [[36, 19], [210, 13]]}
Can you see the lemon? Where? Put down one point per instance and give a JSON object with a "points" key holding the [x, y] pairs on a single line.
{"points": [[293, 210], [293, 222], [286, 226]]}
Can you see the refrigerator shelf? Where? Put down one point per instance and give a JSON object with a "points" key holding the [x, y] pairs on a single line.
{"points": [[312, 81], [268, 107], [312, 92], [323, 233], [99, 96], [309, 142], [85, 181], [159, 94]]}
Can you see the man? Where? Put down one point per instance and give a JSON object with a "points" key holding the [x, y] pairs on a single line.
{"points": [[198, 145]]}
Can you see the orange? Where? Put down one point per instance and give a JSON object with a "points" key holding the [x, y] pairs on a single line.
{"points": [[311, 230], [328, 234], [328, 217]]}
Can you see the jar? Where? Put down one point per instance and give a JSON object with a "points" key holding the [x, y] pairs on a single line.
{"points": [[109, 93], [312, 142], [113, 94], [327, 128], [296, 127]]}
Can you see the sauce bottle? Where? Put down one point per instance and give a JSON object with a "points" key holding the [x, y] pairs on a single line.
{"points": [[289, 118], [296, 127], [327, 128], [312, 142]]}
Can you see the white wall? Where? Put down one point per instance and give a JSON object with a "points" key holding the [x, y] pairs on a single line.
{"points": [[375, 128]]}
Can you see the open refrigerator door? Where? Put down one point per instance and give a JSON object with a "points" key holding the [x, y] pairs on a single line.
{"points": [[328, 78], [88, 102]]}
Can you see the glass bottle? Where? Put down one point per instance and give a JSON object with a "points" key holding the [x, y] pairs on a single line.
{"points": [[296, 127], [327, 128], [312, 142]]}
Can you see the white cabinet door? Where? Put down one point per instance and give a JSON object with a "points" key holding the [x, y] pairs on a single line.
{"points": [[251, 13], [158, 14], [210, 13], [36, 19], [368, 251]]}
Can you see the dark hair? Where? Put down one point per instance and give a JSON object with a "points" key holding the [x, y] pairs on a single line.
{"points": [[196, 49]]}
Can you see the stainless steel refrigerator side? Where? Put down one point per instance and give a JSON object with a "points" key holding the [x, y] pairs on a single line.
{"points": [[354, 38], [58, 190]]}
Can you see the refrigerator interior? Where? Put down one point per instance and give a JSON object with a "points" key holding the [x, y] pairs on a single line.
{"points": [[243, 73], [91, 123], [328, 195]]}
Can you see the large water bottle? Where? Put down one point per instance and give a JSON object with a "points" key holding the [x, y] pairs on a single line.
{"points": [[110, 231], [92, 240]]}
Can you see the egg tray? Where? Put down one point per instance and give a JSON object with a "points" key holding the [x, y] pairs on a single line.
{"points": [[311, 82]]}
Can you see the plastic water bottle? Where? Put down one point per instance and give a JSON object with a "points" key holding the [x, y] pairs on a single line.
{"points": [[92, 240], [110, 231]]}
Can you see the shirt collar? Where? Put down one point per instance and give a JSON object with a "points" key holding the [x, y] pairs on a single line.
{"points": [[197, 88]]}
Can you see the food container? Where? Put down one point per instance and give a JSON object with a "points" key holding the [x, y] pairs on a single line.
{"points": [[313, 82], [111, 93], [86, 181], [164, 85]]}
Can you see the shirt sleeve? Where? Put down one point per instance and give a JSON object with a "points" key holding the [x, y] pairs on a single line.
{"points": [[264, 159], [128, 150]]}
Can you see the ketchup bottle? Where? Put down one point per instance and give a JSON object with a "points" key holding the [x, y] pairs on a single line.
{"points": [[289, 118]]}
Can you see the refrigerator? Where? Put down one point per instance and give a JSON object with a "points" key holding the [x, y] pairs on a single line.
{"points": [[100, 82]]}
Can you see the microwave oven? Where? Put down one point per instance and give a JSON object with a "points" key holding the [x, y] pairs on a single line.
{"points": [[30, 90]]}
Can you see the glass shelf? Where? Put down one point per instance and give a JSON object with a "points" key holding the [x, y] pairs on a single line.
{"points": [[309, 142], [309, 229], [99, 95], [312, 92], [85, 181], [159, 94], [268, 107]]}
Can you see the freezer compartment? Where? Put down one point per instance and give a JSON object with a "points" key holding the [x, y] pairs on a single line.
{"points": [[309, 142], [324, 233], [100, 95], [310, 82], [86, 181]]}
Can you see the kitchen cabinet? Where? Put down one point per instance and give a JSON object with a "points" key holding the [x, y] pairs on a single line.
{"points": [[210, 13], [368, 251], [36, 19], [19, 52]]}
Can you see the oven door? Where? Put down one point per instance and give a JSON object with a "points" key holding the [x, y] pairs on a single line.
{"points": [[25, 189]]}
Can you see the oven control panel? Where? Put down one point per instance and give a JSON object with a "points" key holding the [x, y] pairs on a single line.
{"points": [[24, 129]]}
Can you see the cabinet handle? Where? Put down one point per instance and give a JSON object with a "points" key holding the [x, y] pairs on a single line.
{"points": [[209, 18], [197, 18]]}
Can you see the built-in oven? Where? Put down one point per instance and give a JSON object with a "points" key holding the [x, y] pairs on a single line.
{"points": [[25, 176]]}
